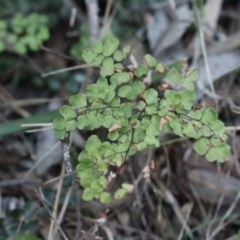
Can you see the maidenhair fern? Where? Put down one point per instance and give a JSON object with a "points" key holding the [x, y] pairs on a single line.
{"points": [[134, 115]]}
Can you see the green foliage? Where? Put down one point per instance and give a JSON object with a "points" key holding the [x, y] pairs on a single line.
{"points": [[23, 32], [134, 116]]}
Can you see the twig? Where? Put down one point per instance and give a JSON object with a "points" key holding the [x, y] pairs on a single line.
{"points": [[203, 46], [52, 232], [93, 20], [54, 52], [222, 222], [65, 70], [16, 182]]}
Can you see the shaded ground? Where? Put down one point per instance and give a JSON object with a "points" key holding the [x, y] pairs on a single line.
{"points": [[185, 196]]}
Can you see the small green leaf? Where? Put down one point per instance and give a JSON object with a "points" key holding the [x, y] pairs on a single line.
{"points": [[137, 88], [150, 96], [187, 98], [105, 197], [67, 112], [88, 194], [59, 124], [93, 142], [107, 68], [93, 92], [127, 187], [102, 167], [126, 51], [117, 56], [195, 114], [209, 116], [151, 109], [150, 60], [202, 145], [97, 46], [191, 76], [141, 70], [88, 55], [218, 154], [127, 109], [174, 76], [176, 127], [159, 68], [60, 134], [189, 130], [113, 135], [120, 193], [218, 128], [110, 46], [141, 105], [82, 121], [142, 145], [78, 101], [176, 99], [124, 91], [72, 124]]}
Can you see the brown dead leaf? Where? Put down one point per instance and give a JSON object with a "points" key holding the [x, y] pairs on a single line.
{"points": [[113, 128], [163, 121]]}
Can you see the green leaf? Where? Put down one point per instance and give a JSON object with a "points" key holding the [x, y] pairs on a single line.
{"points": [[93, 142], [189, 130], [141, 70], [72, 124], [188, 98], [102, 167], [209, 116], [142, 145], [119, 78], [120, 193], [127, 187], [176, 127], [159, 68], [78, 101], [67, 112], [88, 55], [110, 46], [105, 197], [113, 135], [195, 114], [176, 99], [150, 60], [88, 194], [59, 123], [151, 109], [192, 76], [216, 142], [141, 105], [150, 96], [219, 154], [137, 88], [102, 181], [82, 121], [93, 92], [86, 180], [107, 68], [97, 61], [97, 46], [117, 56], [174, 76], [126, 51], [60, 134], [201, 146], [126, 108], [96, 186], [218, 128], [124, 91]]}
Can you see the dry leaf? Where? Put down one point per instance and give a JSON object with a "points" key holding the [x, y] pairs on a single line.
{"points": [[114, 128], [163, 121]]}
